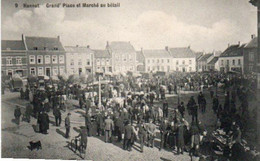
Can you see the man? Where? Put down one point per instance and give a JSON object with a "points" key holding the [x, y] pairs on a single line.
{"points": [[127, 136], [100, 123], [163, 131], [88, 123], [17, 114], [119, 127], [215, 104], [21, 93], [28, 112], [83, 139], [151, 133], [165, 108], [203, 104], [181, 108], [57, 115], [67, 125], [109, 127], [142, 135], [199, 99]]}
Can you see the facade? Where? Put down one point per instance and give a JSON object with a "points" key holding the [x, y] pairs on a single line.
{"points": [[79, 60], [212, 65], [102, 61], [250, 56], [203, 62], [232, 59], [183, 59], [14, 58], [46, 56], [157, 60], [140, 61], [123, 56]]}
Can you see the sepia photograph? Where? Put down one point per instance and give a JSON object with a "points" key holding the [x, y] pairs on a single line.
{"points": [[130, 80]]}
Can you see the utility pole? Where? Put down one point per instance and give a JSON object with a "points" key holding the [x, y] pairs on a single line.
{"points": [[99, 92]]}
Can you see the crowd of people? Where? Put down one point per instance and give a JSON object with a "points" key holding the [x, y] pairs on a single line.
{"points": [[137, 109]]}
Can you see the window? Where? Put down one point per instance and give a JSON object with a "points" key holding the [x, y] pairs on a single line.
{"points": [[40, 71], [55, 70], [177, 69], [251, 56], [88, 62], [9, 61], [108, 61], [61, 59], [35, 48], [222, 62], [158, 61], [47, 59], [98, 62], [162, 61], [124, 57], [148, 61], [39, 59], [239, 62], [234, 62], [227, 62], [183, 62], [190, 69], [158, 67], [103, 62], [71, 61], [153, 60], [72, 70], [54, 59], [80, 62], [250, 68], [177, 62], [148, 69], [32, 71], [162, 67], [168, 68], [190, 62], [168, 60], [32, 59], [18, 61], [62, 70]]}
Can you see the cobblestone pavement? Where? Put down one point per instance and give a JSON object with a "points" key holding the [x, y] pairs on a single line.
{"points": [[15, 139]]}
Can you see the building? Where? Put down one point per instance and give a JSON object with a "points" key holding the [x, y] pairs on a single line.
{"points": [[79, 60], [102, 61], [250, 56], [232, 59], [183, 59], [157, 60], [46, 56], [198, 55], [14, 58], [123, 56], [212, 65], [203, 62]]}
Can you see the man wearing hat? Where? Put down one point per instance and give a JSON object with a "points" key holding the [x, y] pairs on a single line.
{"points": [[17, 114], [67, 125], [151, 133], [109, 127], [127, 136], [163, 130], [142, 135]]}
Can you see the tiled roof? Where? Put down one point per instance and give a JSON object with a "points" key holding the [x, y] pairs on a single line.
{"points": [[233, 50], [121, 46], [205, 57], [101, 54], [43, 43], [198, 54], [252, 43], [78, 49], [12, 45], [183, 52], [160, 53], [213, 61], [139, 56]]}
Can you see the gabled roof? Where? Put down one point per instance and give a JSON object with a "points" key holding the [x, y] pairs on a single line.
{"points": [[205, 57], [233, 51], [101, 54], [78, 49], [43, 42], [252, 44], [198, 54], [158, 53], [139, 56], [121, 46], [213, 61], [12, 45], [182, 52]]}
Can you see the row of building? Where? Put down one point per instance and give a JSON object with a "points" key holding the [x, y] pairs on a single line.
{"points": [[47, 56]]}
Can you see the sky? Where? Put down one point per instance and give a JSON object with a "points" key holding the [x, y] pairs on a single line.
{"points": [[204, 25]]}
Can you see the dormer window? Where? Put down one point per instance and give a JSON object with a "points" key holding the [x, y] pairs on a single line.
{"points": [[35, 48]]}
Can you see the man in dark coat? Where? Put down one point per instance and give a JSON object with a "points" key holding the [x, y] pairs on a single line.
{"points": [[67, 125], [151, 133], [57, 115], [119, 128], [163, 131], [26, 94], [127, 137], [21, 93], [180, 136], [83, 139], [109, 127], [142, 135], [17, 114], [181, 108], [215, 104], [28, 112], [100, 122], [88, 123], [43, 121], [165, 108], [199, 99], [203, 104]]}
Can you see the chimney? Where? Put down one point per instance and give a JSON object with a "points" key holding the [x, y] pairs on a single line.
{"points": [[253, 36], [77, 46], [166, 48], [88, 46], [58, 37], [107, 43], [238, 42], [189, 47], [142, 50], [22, 37], [228, 45]]}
